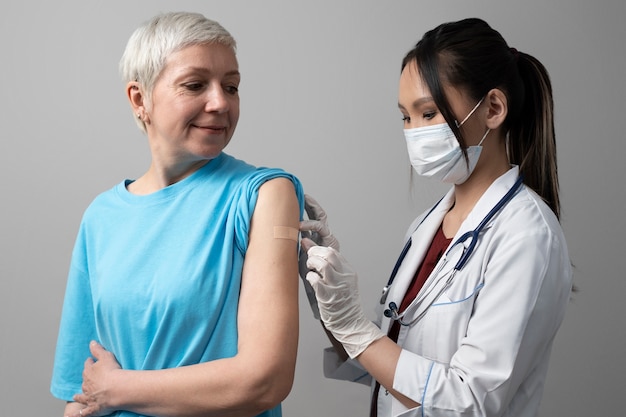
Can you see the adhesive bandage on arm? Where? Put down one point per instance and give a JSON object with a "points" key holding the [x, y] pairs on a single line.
{"points": [[286, 232]]}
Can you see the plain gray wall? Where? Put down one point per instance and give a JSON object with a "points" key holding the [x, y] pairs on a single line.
{"points": [[318, 98]]}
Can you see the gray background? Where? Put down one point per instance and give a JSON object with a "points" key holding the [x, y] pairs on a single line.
{"points": [[319, 99]]}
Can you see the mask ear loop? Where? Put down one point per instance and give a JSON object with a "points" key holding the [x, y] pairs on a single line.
{"points": [[470, 113], [484, 136]]}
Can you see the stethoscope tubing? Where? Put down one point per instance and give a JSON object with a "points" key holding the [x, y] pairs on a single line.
{"points": [[403, 253], [392, 311]]}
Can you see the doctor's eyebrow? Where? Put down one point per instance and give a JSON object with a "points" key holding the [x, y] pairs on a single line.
{"points": [[417, 103]]}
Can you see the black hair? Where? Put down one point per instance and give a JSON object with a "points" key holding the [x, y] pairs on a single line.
{"points": [[472, 56]]}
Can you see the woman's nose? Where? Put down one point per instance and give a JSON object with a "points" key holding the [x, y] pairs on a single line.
{"points": [[217, 100]]}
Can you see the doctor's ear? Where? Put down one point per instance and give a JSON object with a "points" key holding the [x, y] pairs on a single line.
{"points": [[497, 108]]}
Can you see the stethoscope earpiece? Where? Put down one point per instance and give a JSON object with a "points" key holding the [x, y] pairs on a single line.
{"points": [[392, 311]]}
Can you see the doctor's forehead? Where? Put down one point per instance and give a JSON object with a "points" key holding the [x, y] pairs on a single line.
{"points": [[415, 104], [412, 90]]}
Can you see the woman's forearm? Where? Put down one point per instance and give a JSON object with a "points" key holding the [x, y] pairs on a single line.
{"points": [[225, 387]]}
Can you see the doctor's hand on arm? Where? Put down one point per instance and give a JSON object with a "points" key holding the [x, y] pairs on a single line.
{"points": [[335, 285], [261, 374], [315, 231], [336, 288], [316, 228]]}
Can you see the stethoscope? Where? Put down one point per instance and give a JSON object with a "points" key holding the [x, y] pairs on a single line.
{"points": [[429, 297]]}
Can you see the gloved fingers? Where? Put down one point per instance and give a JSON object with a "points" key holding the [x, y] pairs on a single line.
{"points": [[319, 233], [320, 267], [323, 292], [319, 258], [313, 209], [308, 288], [314, 279], [304, 233], [315, 226], [329, 263], [307, 244], [303, 257], [326, 253]]}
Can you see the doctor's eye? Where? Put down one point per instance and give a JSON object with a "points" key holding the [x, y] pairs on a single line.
{"points": [[429, 115], [406, 119]]}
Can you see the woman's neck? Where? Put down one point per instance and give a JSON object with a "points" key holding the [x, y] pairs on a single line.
{"points": [[157, 178]]}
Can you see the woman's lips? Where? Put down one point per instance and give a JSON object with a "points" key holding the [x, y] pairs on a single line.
{"points": [[212, 128]]}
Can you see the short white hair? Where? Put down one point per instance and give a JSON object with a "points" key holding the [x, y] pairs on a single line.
{"points": [[152, 43]]}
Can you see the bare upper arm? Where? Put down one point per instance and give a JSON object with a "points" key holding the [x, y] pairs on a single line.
{"points": [[268, 305]]}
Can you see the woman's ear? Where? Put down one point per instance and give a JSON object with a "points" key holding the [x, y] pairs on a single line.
{"points": [[497, 108], [137, 100]]}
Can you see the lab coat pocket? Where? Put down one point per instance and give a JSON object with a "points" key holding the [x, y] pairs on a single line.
{"points": [[413, 412], [440, 332]]}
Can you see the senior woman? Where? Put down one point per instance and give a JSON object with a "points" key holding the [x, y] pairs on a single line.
{"points": [[181, 297]]}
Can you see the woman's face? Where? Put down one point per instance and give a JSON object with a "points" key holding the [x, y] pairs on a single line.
{"points": [[194, 106]]}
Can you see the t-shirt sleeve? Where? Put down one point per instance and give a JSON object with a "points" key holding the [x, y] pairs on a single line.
{"points": [[77, 327], [247, 198]]}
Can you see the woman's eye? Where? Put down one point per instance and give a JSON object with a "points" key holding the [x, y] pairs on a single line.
{"points": [[406, 119], [231, 89], [430, 115], [194, 86]]}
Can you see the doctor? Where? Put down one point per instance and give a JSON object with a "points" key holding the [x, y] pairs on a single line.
{"points": [[469, 316]]}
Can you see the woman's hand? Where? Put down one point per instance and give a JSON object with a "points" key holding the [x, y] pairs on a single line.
{"points": [[73, 409], [97, 381]]}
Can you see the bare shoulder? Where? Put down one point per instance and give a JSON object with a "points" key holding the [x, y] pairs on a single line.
{"points": [[279, 196]]}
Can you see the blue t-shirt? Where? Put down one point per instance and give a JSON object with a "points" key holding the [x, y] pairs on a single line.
{"points": [[155, 278]]}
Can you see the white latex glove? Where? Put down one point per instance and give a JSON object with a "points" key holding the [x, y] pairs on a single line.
{"points": [[316, 228], [336, 289], [314, 231]]}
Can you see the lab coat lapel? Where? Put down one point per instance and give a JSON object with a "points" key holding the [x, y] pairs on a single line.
{"points": [[421, 238], [423, 235], [488, 200]]}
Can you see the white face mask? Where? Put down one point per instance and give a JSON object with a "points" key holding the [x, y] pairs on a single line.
{"points": [[435, 152]]}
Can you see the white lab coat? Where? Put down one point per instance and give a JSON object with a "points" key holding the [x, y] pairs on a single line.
{"points": [[482, 349]]}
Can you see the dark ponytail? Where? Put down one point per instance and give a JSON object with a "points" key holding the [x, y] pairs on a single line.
{"points": [[532, 143], [469, 54]]}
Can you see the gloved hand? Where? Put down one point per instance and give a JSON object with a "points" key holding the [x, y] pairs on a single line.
{"points": [[314, 231], [336, 289], [316, 228]]}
